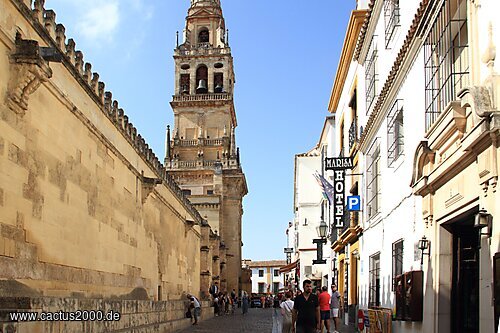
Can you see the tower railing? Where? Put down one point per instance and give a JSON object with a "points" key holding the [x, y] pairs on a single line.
{"points": [[202, 51], [203, 97]]}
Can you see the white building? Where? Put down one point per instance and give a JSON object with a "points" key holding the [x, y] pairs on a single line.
{"points": [[310, 208], [415, 97], [266, 276]]}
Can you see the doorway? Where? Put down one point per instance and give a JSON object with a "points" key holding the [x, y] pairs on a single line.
{"points": [[465, 284]]}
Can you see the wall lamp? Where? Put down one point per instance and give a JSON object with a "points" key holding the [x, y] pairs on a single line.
{"points": [[483, 220], [423, 245]]}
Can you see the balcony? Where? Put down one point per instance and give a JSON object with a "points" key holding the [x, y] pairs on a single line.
{"points": [[232, 163], [353, 134], [202, 49], [201, 142], [201, 98], [349, 232]]}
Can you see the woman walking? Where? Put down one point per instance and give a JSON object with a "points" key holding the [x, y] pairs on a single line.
{"points": [[244, 302], [286, 311]]}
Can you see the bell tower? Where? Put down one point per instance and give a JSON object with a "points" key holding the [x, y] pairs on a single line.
{"points": [[201, 153]]}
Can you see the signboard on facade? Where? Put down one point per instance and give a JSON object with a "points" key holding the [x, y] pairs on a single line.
{"points": [[354, 203], [339, 163], [339, 198]]}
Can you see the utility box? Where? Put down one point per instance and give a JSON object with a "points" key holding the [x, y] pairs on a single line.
{"points": [[409, 296]]}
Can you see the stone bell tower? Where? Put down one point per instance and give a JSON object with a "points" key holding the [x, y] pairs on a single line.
{"points": [[201, 153]]}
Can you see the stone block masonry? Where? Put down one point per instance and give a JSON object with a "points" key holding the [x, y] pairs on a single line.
{"points": [[87, 211], [135, 315]]}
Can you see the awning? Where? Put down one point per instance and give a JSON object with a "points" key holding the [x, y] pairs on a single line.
{"points": [[289, 267]]}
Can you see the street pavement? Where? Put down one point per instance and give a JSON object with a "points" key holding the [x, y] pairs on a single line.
{"points": [[255, 321]]}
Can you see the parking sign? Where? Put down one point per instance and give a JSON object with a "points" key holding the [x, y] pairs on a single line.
{"points": [[354, 203]]}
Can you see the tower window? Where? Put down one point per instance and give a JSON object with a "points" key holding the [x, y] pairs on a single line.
{"points": [[185, 84], [202, 79], [203, 36], [219, 82]]}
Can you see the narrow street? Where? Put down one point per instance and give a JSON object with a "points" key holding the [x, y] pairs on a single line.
{"points": [[257, 321]]}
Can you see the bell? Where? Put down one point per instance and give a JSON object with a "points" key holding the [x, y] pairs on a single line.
{"points": [[219, 88], [202, 87], [185, 90]]}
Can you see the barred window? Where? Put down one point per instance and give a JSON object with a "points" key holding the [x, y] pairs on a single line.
{"points": [[374, 284], [373, 174], [261, 273], [446, 59], [392, 21], [371, 75], [397, 261], [395, 132]]}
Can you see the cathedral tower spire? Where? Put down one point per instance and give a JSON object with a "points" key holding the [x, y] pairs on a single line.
{"points": [[203, 155]]}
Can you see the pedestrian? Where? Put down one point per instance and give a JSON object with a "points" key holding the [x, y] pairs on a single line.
{"points": [[196, 307], [324, 307], [244, 302], [276, 305], [286, 312], [306, 313], [216, 305], [335, 306], [214, 289]]}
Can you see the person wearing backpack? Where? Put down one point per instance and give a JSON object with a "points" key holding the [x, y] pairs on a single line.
{"points": [[286, 312]]}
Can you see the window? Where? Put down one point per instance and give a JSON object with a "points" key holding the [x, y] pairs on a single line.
{"points": [[371, 75], [373, 174], [391, 14], [210, 192], [276, 272], [397, 261], [185, 83], [203, 37], [186, 192], [276, 287], [308, 270], [353, 130], [395, 132], [446, 59], [219, 82], [342, 153], [262, 287], [374, 287], [305, 221], [202, 79], [261, 273]]}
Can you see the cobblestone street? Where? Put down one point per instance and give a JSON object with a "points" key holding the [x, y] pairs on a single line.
{"points": [[257, 321]]}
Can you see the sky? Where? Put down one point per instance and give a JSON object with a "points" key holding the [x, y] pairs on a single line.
{"points": [[286, 53]]}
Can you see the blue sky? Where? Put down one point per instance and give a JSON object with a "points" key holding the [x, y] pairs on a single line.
{"points": [[285, 53]]}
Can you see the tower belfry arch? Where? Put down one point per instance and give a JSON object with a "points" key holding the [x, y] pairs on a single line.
{"points": [[202, 154]]}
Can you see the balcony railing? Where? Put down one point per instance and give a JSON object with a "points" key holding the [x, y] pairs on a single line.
{"points": [[353, 134], [203, 97], [203, 50], [200, 142]]}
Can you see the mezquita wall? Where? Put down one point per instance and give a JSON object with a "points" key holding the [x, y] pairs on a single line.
{"points": [[87, 211]]}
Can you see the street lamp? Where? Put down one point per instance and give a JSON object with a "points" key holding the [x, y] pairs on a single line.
{"points": [[423, 245], [322, 230]]}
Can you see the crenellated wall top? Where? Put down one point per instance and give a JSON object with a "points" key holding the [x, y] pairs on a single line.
{"points": [[44, 22]]}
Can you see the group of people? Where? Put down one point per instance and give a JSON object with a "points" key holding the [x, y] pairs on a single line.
{"points": [[309, 312], [223, 302]]}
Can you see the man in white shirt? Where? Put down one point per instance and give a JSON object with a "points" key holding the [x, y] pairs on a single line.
{"points": [[196, 306]]}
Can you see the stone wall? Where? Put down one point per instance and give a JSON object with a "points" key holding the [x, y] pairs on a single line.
{"points": [[86, 208], [135, 316]]}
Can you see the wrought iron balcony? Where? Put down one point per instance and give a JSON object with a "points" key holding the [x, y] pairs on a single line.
{"points": [[353, 134]]}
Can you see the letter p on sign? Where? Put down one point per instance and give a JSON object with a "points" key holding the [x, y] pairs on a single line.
{"points": [[354, 203]]}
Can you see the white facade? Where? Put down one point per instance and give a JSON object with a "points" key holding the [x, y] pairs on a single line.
{"points": [[308, 201], [266, 277], [393, 109]]}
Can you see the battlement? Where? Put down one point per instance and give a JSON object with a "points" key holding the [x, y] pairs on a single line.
{"points": [[53, 34]]}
